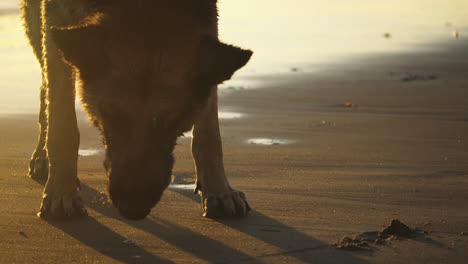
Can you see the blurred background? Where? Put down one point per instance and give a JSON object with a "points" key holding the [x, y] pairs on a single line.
{"points": [[287, 36]]}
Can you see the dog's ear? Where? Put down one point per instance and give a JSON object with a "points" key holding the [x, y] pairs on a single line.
{"points": [[218, 61], [82, 47]]}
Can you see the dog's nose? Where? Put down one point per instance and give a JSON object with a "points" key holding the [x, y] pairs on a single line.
{"points": [[133, 212]]}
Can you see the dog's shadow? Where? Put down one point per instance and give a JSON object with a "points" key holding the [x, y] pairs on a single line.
{"points": [[95, 235], [180, 237], [289, 241]]}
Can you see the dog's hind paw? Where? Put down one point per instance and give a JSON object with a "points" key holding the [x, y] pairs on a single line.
{"points": [[224, 205], [65, 206]]}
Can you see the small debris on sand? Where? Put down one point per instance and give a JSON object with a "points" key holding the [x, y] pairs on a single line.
{"points": [[294, 69], [394, 232], [130, 241], [387, 35], [23, 234], [348, 104], [416, 77], [455, 34]]}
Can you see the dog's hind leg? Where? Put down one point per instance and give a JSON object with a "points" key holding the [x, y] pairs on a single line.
{"points": [[31, 10], [39, 164]]}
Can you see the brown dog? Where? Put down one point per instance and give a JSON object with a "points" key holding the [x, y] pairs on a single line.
{"points": [[147, 72]]}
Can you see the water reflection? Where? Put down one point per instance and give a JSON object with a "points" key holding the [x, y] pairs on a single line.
{"points": [[190, 186], [270, 141], [230, 115], [221, 115], [89, 152]]}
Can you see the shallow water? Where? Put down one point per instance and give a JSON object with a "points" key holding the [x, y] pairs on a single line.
{"points": [[297, 35], [230, 115], [190, 186], [270, 141], [89, 152], [222, 116]]}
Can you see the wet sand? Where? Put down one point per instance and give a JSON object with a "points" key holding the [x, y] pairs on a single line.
{"points": [[369, 140]]}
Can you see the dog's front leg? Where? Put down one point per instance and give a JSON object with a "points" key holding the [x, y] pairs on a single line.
{"points": [[218, 198], [60, 198]]}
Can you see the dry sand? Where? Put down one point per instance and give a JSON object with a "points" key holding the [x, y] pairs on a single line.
{"points": [[400, 151]]}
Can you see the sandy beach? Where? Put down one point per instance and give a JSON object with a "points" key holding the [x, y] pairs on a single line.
{"points": [[348, 148]]}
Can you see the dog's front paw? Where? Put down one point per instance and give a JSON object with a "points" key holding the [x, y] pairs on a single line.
{"points": [[38, 167], [224, 205], [62, 203], [60, 207]]}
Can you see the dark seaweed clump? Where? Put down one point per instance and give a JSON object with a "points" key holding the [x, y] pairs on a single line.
{"points": [[395, 231]]}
